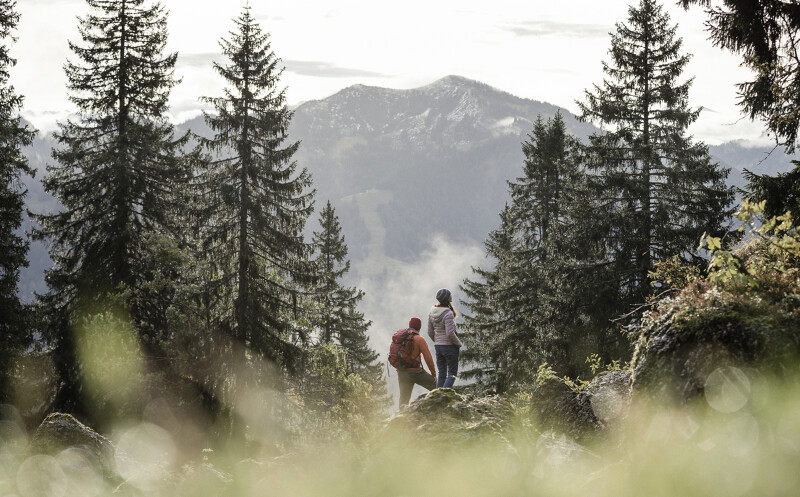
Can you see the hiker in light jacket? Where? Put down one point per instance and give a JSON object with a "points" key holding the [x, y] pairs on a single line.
{"points": [[442, 330]]}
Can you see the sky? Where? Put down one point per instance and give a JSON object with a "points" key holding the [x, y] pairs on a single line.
{"points": [[538, 49]]}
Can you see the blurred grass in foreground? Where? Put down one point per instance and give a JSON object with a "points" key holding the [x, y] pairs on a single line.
{"points": [[742, 439]]}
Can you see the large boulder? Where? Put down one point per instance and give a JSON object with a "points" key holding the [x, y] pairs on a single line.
{"points": [[59, 432], [142, 462], [559, 408], [584, 414], [672, 362], [442, 415], [609, 395]]}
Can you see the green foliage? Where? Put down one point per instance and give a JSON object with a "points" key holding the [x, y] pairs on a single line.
{"points": [[773, 249], [673, 273], [543, 373], [595, 363], [336, 402]]}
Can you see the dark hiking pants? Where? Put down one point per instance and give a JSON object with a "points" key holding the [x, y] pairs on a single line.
{"points": [[407, 380]]}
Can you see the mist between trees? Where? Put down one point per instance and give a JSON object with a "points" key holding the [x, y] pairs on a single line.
{"points": [[190, 318]]}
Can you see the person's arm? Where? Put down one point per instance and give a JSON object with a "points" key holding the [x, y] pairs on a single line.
{"points": [[430, 329], [450, 329], [426, 354]]}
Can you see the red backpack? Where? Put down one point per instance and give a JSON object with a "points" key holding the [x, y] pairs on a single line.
{"points": [[401, 349]]}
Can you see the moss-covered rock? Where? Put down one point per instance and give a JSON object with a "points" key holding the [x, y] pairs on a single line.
{"points": [[609, 395], [583, 414], [748, 319], [59, 432], [442, 415], [559, 408]]}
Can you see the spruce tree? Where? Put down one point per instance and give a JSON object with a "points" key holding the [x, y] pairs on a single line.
{"points": [[530, 309], [257, 202], [336, 316], [659, 190], [14, 248], [115, 173], [559, 249], [492, 321]]}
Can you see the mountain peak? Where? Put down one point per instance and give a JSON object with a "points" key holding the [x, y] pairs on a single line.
{"points": [[454, 85], [456, 80]]}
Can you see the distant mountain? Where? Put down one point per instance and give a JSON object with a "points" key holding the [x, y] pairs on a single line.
{"points": [[403, 167], [31, 279], [759, 160], [434, 159]]}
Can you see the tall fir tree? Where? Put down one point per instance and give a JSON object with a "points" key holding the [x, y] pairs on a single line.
{"points": [[659, 190], [337, 317], [117, 166], [14, 248], [551, 206], [529, 310], [257, 201]]}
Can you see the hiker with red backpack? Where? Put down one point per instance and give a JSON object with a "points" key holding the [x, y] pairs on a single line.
{"points": [[404, 354], [442, 330]]}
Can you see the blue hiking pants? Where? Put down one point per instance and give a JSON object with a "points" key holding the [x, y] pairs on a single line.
{"points": [[447, 364]]}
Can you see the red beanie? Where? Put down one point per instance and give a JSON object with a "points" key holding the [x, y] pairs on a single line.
{"points": [[415, 323]]}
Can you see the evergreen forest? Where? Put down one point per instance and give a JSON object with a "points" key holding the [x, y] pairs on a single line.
{"points": [[635, 329]]}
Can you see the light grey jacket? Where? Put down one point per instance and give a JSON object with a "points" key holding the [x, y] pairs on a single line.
{"points": [[442, 327]]}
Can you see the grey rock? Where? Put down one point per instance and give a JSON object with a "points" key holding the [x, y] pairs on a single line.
{"points": [[609, 395], [443, 415], [561, 409], [59, 432]]}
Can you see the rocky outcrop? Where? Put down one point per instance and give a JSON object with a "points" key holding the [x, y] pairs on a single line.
{"points": [[748, 321], [583, 415], [609, 395], [60, 431], [79, 454], [559, 408], [442, 415]]}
